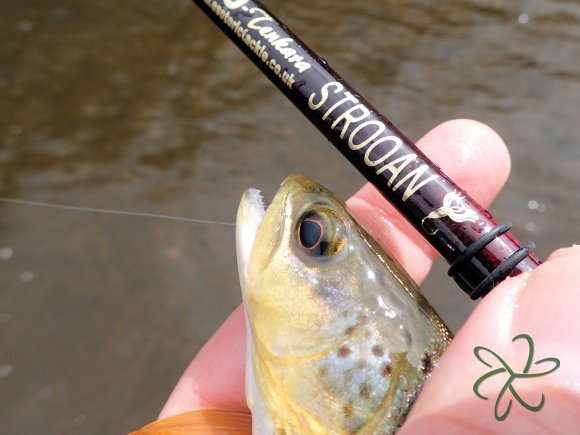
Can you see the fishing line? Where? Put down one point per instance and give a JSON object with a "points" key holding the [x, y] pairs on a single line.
{"points": [[109, 211]]}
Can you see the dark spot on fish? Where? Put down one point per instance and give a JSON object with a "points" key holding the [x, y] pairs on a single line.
{"points": [[362, 364], [386, 371], [364, 390], [378, 350], [347, 410], [349, 330], [343, 351], [427, 365]]}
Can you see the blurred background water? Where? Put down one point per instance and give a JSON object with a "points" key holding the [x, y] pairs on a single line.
{"points": [[145, 106]]}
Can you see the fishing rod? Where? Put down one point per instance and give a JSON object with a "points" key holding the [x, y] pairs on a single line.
{"points": [[480, 250]]}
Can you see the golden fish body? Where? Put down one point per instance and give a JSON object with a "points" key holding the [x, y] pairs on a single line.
{"points": [[340, 340]]}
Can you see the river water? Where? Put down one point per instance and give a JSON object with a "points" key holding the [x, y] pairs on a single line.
{"points": [[146, 107]]}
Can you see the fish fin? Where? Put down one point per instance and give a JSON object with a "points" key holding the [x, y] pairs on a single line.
{"points": [[202, 422]]}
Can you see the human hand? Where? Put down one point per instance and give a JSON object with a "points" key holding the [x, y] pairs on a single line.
{"points": [[542, 304]]}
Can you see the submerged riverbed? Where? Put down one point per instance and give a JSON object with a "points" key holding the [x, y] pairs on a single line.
{"points": [[148, 108]]}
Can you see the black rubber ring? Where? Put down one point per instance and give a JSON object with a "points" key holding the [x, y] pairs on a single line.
{"points": [[502, 271], [463, 285], [474, 248]]}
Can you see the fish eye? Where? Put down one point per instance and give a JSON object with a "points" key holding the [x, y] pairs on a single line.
{"points": [[321, 232]]}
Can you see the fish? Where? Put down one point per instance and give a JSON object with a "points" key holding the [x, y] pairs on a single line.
{"points": [[339, 338]]}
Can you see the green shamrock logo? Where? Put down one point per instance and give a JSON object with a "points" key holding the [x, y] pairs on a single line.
{"points": [[512, 377]]}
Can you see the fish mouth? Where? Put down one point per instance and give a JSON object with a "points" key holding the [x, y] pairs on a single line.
{"points": [[251, 213]]}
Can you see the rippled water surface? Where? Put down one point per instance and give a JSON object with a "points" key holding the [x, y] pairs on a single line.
{"points": [[145, 106]]}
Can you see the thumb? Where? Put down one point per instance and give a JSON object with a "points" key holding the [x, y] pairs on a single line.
{"points": [[542, 304]]}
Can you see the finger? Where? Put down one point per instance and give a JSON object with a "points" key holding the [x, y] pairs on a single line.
{"points": [[574, 250], [542, 304], [215, 378], [471, 154]]}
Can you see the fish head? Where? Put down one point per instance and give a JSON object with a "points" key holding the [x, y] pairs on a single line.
{"points": [[289, 274]]}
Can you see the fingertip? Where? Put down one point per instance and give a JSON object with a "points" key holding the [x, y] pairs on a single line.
{"points": [[474, 156], [570, 251]]}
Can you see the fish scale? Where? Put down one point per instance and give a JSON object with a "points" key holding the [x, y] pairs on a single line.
{"points": [[358, 378]]}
